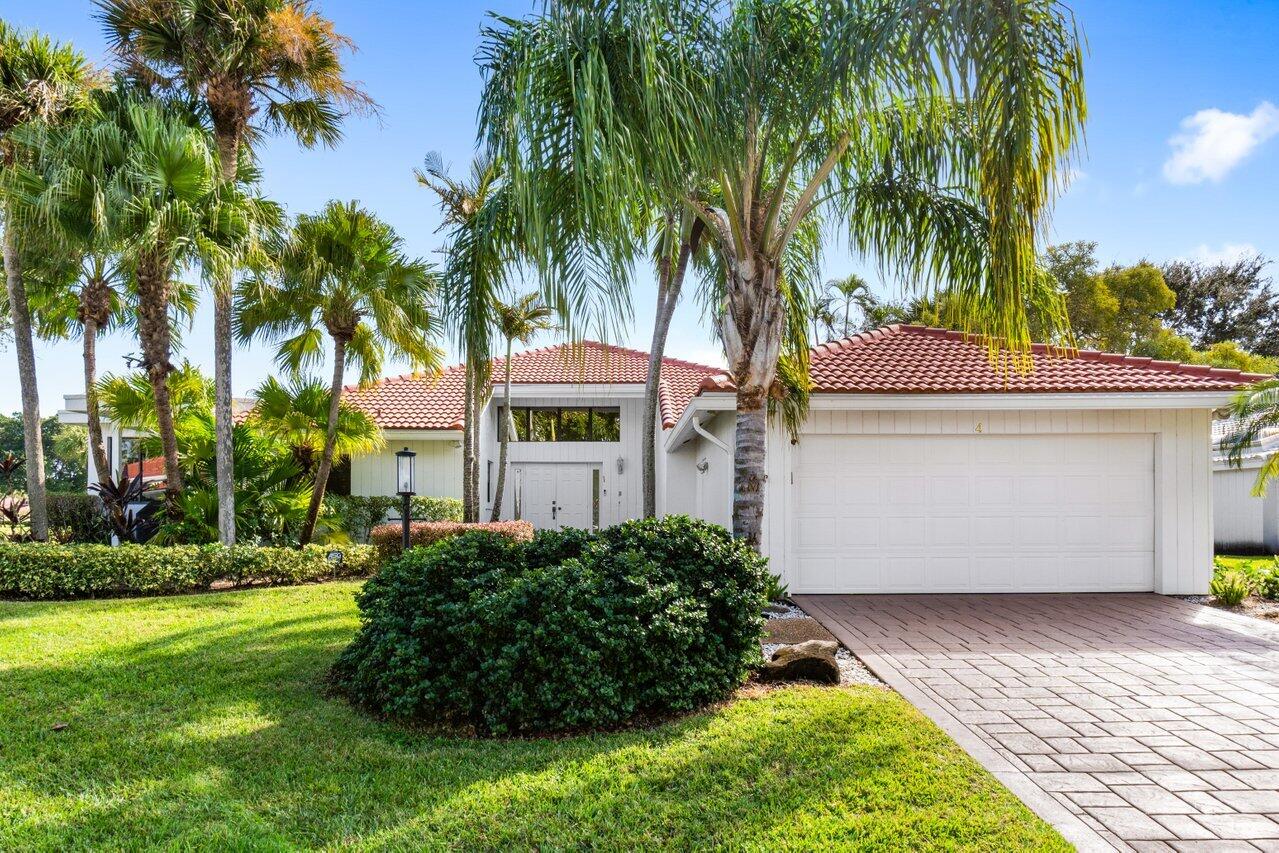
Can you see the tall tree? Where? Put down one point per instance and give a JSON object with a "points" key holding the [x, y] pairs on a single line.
{"points": [[175, 211], [1225, 301], [1112, 309], [40, 81], [483, 240], [254, 66], [342, 273], [519, 321], [936, 136]]}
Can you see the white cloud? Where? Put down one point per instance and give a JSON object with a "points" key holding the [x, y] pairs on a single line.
{"points": [[1212, 142], [1228, 253]]}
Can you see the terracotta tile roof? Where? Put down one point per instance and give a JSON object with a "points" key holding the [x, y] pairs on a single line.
{"points": [[904, 359], [151, 468], [423, 401]]}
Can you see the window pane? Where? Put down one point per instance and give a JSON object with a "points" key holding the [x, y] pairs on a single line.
{"points": [[606, 425], [544, 425], [573, 426]]}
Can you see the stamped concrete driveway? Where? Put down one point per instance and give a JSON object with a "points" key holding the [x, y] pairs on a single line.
{"points": [[1128, 721]]}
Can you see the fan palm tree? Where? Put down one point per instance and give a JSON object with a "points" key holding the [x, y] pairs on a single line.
{"points": [[174, 211], [482, 244], [520, 320], [341, 273], [936, 136], [298, 415], [254, 66], [40, 81]]}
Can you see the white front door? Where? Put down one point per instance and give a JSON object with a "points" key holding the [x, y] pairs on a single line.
{"points": [[1007, 513], [559, 494]]}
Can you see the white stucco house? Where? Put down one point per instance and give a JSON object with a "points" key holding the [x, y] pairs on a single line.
{"points": [[1242, 522], [921, 468]]}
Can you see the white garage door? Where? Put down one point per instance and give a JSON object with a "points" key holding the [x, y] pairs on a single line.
{"points": [[981, 513]]}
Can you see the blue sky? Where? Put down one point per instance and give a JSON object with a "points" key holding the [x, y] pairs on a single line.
{"points": [[1182, 154]]}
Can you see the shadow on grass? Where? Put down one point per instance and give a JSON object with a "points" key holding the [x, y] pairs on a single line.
{"points": [[204, 724]]}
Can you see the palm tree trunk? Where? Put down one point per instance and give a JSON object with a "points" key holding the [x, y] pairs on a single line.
{"points": [[228, 143], [157, 346], [32, 439], [481, 397], [468, 418], [670, 282], [97, 447], [752, 335], [330, 442], [505, 433]]}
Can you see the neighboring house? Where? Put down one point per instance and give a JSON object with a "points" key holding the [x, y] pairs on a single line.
{"points": [[921, 468], [1243, 523]]}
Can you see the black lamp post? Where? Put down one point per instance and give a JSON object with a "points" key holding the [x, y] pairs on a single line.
{"points": [[404, 486]]}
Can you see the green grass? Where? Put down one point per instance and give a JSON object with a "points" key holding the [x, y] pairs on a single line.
{"points": [[200, 722]]}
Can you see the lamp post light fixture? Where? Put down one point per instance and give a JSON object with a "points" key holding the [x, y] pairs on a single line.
{"points": [[404, 487]]}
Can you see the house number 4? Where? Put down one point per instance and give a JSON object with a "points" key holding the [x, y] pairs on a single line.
{"points": [[978, 427]]}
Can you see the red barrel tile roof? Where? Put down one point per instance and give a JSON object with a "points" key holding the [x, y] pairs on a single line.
{"points": [[904, 359], [425, 401]]}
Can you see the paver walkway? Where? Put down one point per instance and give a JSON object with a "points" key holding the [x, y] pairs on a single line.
{"points": [[1128, 721]]}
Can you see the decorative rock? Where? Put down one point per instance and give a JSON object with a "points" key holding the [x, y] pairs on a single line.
{"points": [[777, 610], [810, 661]]}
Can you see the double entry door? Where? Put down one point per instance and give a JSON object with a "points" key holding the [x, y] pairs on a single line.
{"points": [[552, 495]]}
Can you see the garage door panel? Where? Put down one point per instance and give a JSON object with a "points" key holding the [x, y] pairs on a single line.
{"points": [[948, 573], [1036, 490], [905, 491], [948, 531], [921, 513], [902, 531], [949, 491]]}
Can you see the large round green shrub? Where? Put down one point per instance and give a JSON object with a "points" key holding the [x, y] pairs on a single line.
{"points": [[570, 631]]}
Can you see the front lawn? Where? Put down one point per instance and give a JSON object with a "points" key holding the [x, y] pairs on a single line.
{"points": [[199, 721]]}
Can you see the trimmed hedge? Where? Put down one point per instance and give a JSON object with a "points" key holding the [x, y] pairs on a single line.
{"points": [[389, 538], [46, 571], [569, 631]]}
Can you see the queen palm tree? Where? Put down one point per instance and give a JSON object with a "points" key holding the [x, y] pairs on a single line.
{"points": [[520, 320], [342, 273], [482, 244], [40, 81], [936, 136], [174, 211], [254, 66]]}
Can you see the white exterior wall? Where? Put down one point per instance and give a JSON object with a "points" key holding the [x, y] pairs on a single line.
{"points": [[1242, 522], [1183, 470], [437, 469], [704, 494], [620, 499]]}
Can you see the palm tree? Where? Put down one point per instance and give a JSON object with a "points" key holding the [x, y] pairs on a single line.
{"points": [[40, 81], [520, 320], [1256, 410], [850, 290], [482, 244], [254, 66], [174, 211], [341, 273], [298, 415], [937, 139]]}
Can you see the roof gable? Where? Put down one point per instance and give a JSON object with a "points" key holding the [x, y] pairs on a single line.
{"points": [[425, 401]]}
